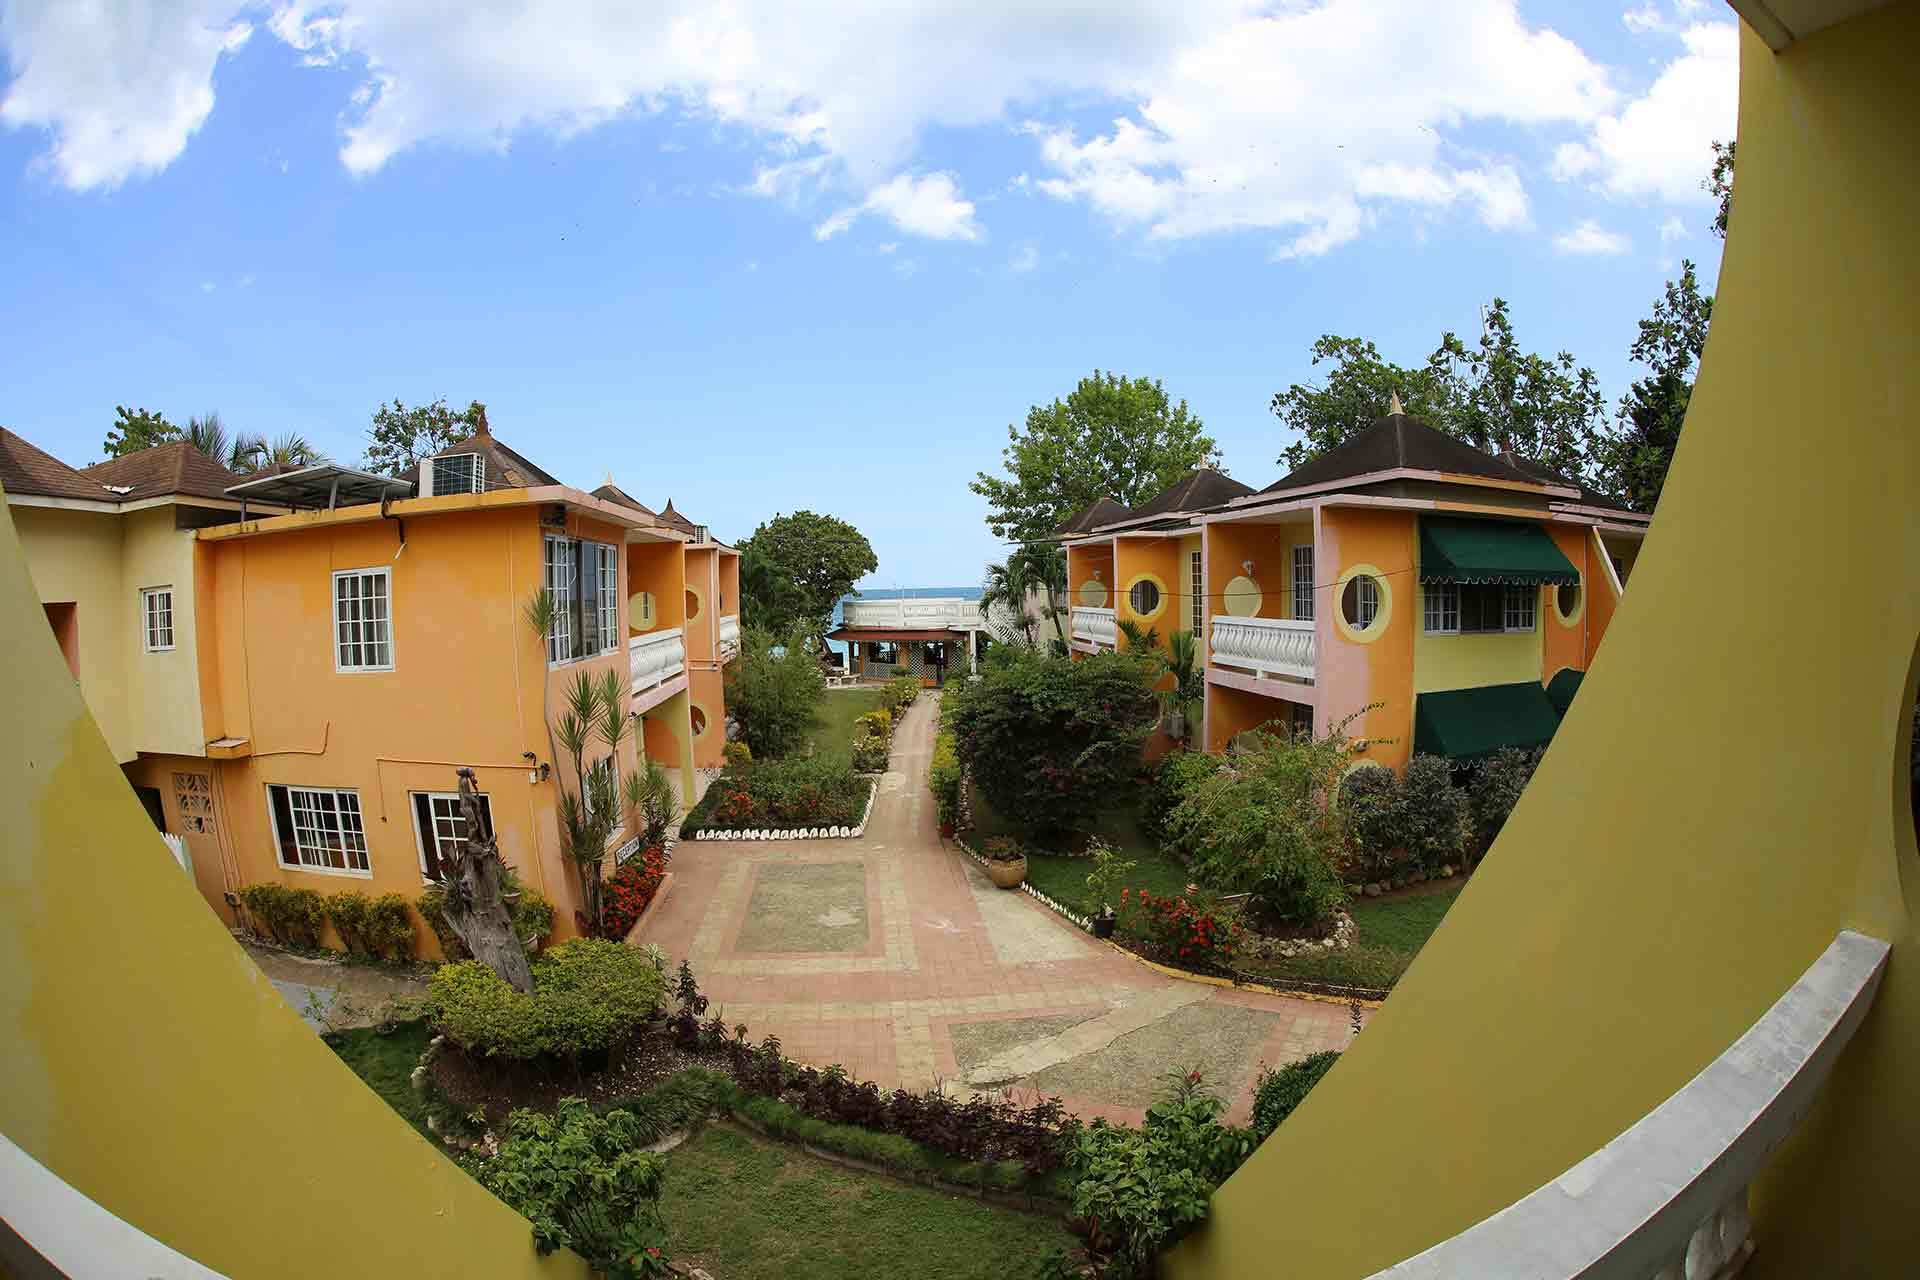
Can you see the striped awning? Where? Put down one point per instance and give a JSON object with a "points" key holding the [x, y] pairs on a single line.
{"points": [[1460, 549]]}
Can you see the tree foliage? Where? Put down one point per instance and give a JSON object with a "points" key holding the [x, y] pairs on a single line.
{"points": [[1491, 394], [1631, 459], [136, 429], [1719, 185], [774, 691], [1036, 569], [1052, 742], [1112, 437], [400, 436], [818, 557]]}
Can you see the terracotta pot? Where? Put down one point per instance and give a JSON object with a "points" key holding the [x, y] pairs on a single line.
{"points": [[1008, 873]]}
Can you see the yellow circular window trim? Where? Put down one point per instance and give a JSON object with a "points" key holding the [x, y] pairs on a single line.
{"points": [[1159, 585], [643, 611], [1092, 594], [1381, 616], [1579, 610], [1242, 598]]}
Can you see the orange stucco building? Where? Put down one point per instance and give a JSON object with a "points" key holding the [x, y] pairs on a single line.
{"points": [[344, 653], [1428, 595]]}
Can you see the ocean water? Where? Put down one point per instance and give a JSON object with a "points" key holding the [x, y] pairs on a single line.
{"points": [[899, 593]]}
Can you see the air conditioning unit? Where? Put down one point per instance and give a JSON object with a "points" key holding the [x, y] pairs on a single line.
{"points": [[700, 533]]}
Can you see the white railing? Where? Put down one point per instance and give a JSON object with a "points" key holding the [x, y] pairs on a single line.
{"points": [[1270, 646], [729, 635], [656, 657], [1668, 1198], [1094, 626], [933, 613]]}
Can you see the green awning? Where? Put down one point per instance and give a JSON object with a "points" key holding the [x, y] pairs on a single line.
{"points": [[1456, 549], [1465, 724], [1562, 687]]}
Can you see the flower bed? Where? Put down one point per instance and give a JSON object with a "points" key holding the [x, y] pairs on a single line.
{"points": [[783, 799], [628, 891]]}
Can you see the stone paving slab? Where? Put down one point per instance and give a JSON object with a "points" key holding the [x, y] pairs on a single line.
{"points": [[946, 954]]}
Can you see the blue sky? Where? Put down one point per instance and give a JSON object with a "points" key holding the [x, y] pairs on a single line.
{"points": [[791, 256]]}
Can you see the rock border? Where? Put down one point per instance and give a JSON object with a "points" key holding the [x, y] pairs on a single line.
{"points": [[749, 834], [1075, 918]]}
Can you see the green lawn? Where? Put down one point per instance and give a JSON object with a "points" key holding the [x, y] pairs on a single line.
{"points": [[839, 708], [1391, 934], [749, 1209], [1064, 878], [385, 1063]]}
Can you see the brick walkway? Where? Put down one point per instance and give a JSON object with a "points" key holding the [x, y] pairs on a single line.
{"points": [[895, 957]]}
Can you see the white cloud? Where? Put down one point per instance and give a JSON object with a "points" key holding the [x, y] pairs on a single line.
{"points": [[1659, 144], [1024, 259], [1590, 238], [120, 93], [887, 246], [1672, 229], [929, 206], [208, 286], [1305, 119]]}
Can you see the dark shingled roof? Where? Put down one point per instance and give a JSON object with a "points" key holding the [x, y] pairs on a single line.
{"points": [[675, 520], [166, 469], [505, 469], [611, 492], [1088, 518], [1197, 490], [25, 469]]}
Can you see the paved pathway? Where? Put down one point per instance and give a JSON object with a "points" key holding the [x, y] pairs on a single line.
{"points": [[894, 956], [329, 991]]}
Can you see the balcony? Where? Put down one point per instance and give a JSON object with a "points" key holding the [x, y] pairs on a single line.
{"points": [[729, 638], [1267, 646], [656, 657], [1093, 626]]}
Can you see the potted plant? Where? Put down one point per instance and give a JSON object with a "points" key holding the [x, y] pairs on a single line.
{"points": [[1103, 882], [1006, 865]]}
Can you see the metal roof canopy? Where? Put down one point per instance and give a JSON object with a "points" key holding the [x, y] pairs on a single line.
{"points": [[322, 485]]}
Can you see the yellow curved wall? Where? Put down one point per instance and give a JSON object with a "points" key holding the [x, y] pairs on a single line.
{"points": [[145, 1059], [1687, 849]]}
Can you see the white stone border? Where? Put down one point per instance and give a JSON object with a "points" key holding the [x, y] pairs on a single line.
{"points": [[1078, 921], [803, 833]]}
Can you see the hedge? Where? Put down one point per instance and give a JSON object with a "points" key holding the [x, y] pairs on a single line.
{"points": [[587, 994]]}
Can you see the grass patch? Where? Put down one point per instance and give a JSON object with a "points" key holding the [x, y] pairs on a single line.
{"points": [[1391, 935], [750, 1209], [833, 731], [1064, 877], [385, 1064]]}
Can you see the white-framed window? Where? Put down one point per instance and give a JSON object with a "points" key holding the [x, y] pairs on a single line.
{"points": [[318, 829], [583, 579], [459, 473], [1442, 608], [1303, 583], [1360, 601], [440, 830], [1196, 584], [156, 618], [363, 620], [1520, 605]]}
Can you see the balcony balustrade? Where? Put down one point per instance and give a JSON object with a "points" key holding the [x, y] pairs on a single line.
{"points": [[1094, 626], [1268, 646], [656, 657]]}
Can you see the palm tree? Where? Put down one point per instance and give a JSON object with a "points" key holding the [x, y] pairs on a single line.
{"points": [[1044, 569], [289, 449], [209, 436], [1006, 585]]}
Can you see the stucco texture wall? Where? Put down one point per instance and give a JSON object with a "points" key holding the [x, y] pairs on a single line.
{"points": [[75, 556], [1686, 851], [1375, 671], [162, 691]]}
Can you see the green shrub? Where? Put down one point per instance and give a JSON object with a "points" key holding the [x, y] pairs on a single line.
{"points": [[737, 755], [774, 689], [1052, 743], [1177, 773], [1371, 797], [870, 755], [290, 916], [587, 994], [943, 777], [1497, 783], [1282, 1089], [379, 928], [809, 791], [1143, 1189], [532, 916], [1433, 817], [1263, 824], [586, 1182]]}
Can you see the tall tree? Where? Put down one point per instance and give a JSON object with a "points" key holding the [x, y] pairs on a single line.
{"points": [[1631, 460], [1112, 437], [474, 878], [209, 435], [820, 556], [253, 453], [1035, 569], [1493, 395], [769, 599], [400, 437], [1719, 184], [136, 429]]}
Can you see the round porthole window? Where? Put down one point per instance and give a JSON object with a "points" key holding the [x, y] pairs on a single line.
{"points": [[1360, 602], [693, 605], [698, 719], [1566, 599], [1144, 597], [642, 611], [1093, 595]]}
